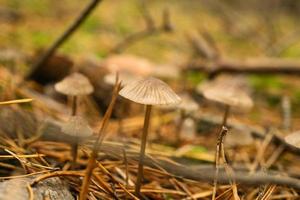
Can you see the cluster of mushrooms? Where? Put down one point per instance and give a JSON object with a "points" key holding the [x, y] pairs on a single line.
{"points": [[152, 92]]}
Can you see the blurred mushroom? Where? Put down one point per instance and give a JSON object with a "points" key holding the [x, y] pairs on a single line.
{"points": [[149, 91], [186, 108], [74, 85], [79, 130], [230, 94], [188, 128], [293, 139], [139, 66], [124, 107], [128, 64], [227, 94], [124, 78]]}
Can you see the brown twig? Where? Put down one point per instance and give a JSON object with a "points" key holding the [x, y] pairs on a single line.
{"points": [[150, 30], [250, 66], [64, 37], [92, 159]]}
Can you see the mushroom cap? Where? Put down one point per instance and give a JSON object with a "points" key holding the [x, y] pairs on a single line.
{"points": [[124, 78], [227, 94], [188, 104], [293, 139], [128, 63], [74, 85], [78, 127], [150, 91]]}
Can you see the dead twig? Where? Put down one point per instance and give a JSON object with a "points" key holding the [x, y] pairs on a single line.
{"points": [[92, 159], [63, 38], [249, 66]]}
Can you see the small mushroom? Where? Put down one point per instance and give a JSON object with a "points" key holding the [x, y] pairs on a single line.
{"points": [[149, 91], [186, 108], [74, 85], [124, 78], [79, 130], [228, 95]]}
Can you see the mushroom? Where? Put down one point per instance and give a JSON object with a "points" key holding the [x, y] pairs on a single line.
{"points": [[74, 85], [124, 77], [79, 130], [230, 94], [149, 91], [186, 108], [293, 139]]}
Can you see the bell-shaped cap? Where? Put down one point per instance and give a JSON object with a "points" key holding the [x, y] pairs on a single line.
{"points": [[77, 127], [75, 84], [227, 94], [293, 139], [150, 91]]}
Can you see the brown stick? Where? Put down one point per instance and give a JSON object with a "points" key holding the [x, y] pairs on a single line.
{"points": [[66, 35], [249, 65], [97, 144]]}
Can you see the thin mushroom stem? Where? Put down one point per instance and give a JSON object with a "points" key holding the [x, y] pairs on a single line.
{"points": [[74, 105], [74, 151], [226, 114], [179, 127], [142, 151], [74, 147]]}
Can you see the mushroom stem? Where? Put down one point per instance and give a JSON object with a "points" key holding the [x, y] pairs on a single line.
{"points": [[179, 127], [74, 105], [74, 151], [142, 151], [74, 147], [227, 109]]}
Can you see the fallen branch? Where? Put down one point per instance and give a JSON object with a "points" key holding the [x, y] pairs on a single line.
{"points": [[115, 150], [249, 66]]}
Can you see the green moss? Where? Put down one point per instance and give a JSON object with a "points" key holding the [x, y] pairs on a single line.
{"points": [[92, 25], [41, 38], [195, 77], [266, 82]]}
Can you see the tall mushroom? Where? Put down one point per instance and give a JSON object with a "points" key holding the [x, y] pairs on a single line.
{"points": [[186, 108], [230, 95], [149, 91], [74, 85]]}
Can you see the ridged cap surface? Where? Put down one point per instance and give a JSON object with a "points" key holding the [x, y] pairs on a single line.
{"points": [[150, 91]]}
